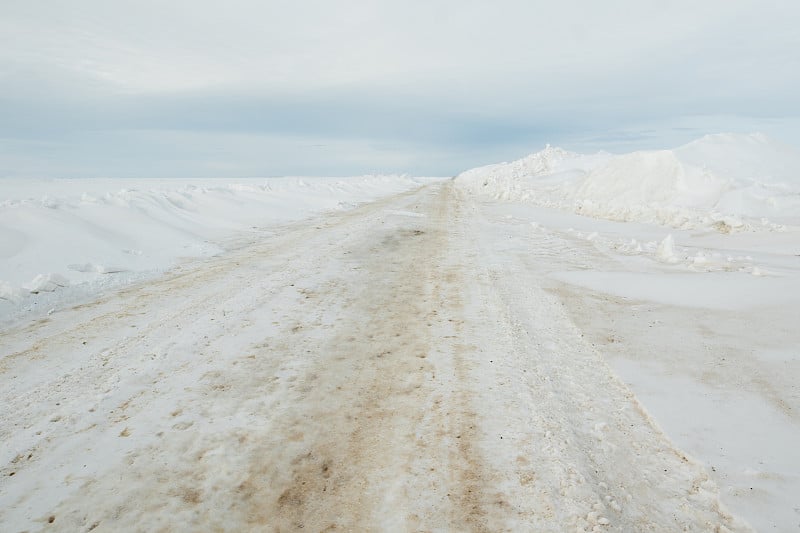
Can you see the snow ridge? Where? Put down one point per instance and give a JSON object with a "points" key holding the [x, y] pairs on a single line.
{"points": [[72, 238], [727, 182]]}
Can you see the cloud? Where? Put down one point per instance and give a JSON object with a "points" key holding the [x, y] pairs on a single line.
{"points": [[448, 81]]}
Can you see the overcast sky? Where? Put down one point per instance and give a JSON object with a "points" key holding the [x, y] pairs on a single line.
{"points": [[262, 88]]}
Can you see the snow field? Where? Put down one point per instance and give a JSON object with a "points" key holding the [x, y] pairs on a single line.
{"points": [[592, 342], [78, 237], [367, 370]]}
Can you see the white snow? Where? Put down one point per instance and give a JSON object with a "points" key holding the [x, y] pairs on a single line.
{"points": [[533, 326], [365, 370], [726, 181], [682, 267], [73, 238], [45, 283]]}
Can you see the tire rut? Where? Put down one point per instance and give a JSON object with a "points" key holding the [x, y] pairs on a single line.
{"points": [[370, 448]]}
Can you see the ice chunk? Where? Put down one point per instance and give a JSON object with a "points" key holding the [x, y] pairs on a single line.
{"points": [[666, 250], [46, 283]]}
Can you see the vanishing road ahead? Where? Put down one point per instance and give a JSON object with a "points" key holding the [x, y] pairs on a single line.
{"points": [[381, 369]]}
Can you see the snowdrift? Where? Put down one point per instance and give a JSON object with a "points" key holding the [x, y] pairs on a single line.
{"points": [[80, 236], [726, 181]]}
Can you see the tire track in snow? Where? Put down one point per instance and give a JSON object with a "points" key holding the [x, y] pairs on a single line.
{"points": [[597, 459], [293, 384], [369, 464], [372, 371], [187, 324]]}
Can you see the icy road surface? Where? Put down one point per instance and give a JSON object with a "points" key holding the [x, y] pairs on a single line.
{"points": [[372, 370]]}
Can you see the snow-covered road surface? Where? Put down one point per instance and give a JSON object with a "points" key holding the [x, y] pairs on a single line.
{"points": [[372, 370]]}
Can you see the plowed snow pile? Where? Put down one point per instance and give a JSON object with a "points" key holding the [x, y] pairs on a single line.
{"points": [[725, 181], [65, 239]]}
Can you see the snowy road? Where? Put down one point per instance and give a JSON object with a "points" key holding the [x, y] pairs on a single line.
{"points": [[372, 370]]}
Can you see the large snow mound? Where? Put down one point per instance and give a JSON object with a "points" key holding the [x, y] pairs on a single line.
{"points": [[726, 181]]}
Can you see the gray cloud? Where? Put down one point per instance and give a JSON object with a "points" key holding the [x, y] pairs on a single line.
{"points": [[354, 87]]}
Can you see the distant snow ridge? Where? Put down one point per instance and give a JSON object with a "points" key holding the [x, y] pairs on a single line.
{"points": [[727, 181]]}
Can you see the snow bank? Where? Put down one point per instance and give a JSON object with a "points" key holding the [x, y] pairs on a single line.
{"points": [[66, 235], [726, 181]]}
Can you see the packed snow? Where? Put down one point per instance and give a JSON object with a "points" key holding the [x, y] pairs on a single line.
{"points": [[683, 268], [585, 341]]}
